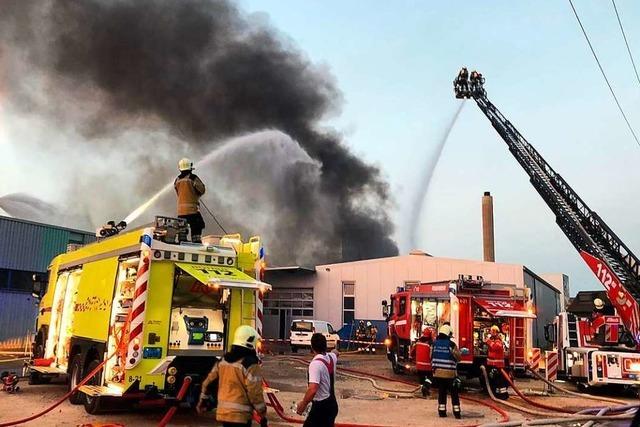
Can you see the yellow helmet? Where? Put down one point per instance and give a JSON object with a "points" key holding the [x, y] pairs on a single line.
{"points": [[598, 303], [445, 329], [247, 337], [496, 329], [185, 164]]}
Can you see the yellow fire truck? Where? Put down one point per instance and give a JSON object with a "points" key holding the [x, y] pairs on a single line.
{"points": [[151, 306]]}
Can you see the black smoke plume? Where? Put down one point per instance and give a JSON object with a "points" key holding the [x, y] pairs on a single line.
{"points": [[202, 71]]}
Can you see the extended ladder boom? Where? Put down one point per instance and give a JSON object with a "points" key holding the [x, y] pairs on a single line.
{"points": [[617, 268]]}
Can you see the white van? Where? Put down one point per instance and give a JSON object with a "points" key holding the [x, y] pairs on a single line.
{"points": [[301, 331]]}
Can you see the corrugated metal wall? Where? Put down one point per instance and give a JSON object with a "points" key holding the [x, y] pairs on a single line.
{"points": [[18, 312], [30, 246]]}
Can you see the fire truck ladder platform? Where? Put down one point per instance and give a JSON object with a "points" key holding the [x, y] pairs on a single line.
{"points": [[48, 370], [583, 227], [102, 390]]}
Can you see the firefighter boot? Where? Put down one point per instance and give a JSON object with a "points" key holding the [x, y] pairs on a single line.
{"points": [[442, 410], [456, 412], [425, 387]]}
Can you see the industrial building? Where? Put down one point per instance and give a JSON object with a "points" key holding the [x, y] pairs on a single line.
{"points": [[26, 248], [345, 293]]}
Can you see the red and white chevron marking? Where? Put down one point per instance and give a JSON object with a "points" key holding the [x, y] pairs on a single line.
{"points": [[551, 365], [534, 360], [134, 352], [259, 270]]}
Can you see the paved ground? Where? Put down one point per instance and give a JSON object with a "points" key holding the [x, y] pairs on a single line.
{"points": [[359, 401]]}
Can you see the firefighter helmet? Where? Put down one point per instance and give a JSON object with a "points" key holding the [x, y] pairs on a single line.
{"points": [[495, 329], [598, 303], [247, 337], [445, 329], [185, 165], [368, 323]]}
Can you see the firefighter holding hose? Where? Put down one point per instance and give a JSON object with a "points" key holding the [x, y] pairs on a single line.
{"points": [[495, 362], [239, 379], [444, 362], [189, 188]]}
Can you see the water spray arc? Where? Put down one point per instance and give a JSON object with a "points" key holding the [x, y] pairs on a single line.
{"points": [[417, 211]]}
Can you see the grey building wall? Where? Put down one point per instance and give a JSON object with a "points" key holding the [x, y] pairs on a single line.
{"points": [[547, 301], [17, 319]]}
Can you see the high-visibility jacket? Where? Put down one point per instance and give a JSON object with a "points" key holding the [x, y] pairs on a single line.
{"points": [[495, 356], [189, 188], [239, 390], [444, 358], [423, 356]]}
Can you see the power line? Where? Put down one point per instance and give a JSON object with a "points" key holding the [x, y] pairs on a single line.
{"points": [[625, 40], [604, 74]]}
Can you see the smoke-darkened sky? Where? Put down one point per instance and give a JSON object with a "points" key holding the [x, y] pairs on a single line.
{"points": [[109, 75]]}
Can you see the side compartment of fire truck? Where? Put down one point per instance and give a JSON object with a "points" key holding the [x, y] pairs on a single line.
{"points": [[471, 311]]}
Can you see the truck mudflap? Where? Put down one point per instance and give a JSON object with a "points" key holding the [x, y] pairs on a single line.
{"points": [[613, 367]]}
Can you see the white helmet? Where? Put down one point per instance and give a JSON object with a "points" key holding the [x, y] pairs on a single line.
{"points": [[598, 303], [445, 329], [185, 165], [247, 337], [368, 323]]}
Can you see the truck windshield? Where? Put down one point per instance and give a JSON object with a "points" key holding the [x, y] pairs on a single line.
{"points": [[302, 327]]}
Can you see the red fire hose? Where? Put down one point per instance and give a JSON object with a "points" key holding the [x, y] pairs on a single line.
{"points": [[531, 401], [183, 390], [280, 411], [62, 399]]}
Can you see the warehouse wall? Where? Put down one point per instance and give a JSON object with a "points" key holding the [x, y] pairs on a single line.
{"points": [[30, 246], [17, 319]]}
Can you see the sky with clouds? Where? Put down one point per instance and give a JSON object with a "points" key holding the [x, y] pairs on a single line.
{"points": [[394, 63]]}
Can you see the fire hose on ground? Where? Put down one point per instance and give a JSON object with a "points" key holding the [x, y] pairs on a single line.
{"points": [[557, 418], [573, 393], [85, 380], [280, 411]]}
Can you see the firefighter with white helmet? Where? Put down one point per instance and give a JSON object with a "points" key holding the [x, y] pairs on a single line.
{"points": [[444, 362], [371, 333], [189, 188], [239, 379]]}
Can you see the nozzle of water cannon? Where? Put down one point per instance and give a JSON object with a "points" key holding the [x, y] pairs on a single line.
{"points": [[121, 225]]}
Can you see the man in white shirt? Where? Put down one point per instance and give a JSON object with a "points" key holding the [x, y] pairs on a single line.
{"points": [[321, 389]]}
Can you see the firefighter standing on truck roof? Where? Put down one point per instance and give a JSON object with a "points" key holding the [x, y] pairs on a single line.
{"points": [[189, 188], [495, 362], [444, 361], [239, 379], [421, 353]]}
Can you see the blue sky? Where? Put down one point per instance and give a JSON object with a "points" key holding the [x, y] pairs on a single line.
{"points": [[395, 61]]}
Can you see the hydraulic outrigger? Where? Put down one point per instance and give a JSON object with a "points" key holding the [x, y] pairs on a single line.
{"points": [[613, 263]]}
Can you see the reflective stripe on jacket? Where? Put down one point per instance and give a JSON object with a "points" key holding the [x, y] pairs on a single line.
{"points": [[189, 188], [423, 356], [444, 358], [239, 391], [495, 356]]}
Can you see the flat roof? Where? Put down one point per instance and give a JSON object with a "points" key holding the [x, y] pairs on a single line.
{"points": [[42, 224], [291, 269]]}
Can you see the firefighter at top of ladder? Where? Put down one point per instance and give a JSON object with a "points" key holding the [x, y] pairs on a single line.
{"points": [[495, 362]]}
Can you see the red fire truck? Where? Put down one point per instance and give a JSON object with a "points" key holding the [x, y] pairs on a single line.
{"points": [[471, 306]]}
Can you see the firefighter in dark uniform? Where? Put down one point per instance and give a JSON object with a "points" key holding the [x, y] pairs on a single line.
{"points": [[421, 353], [444, 362], [463, 81], [189, 188], [495, 362]]}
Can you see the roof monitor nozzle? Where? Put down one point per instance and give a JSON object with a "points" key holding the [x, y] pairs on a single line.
{"points": [[111, 229]]}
